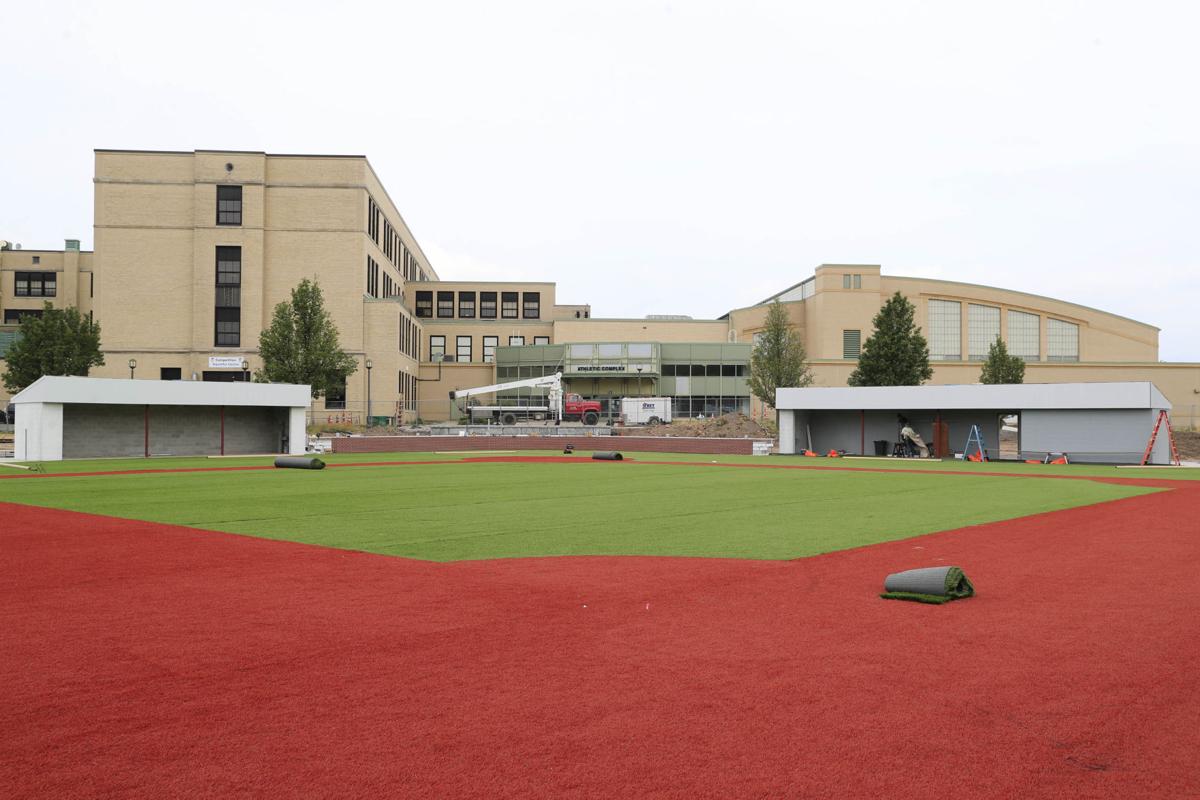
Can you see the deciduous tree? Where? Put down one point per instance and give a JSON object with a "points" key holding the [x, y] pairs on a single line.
{"points": [[301, 344], [59, 342], [778, 359]]}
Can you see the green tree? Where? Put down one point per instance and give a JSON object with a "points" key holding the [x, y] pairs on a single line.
{"points": [[896, 354], [1000, 367], [59, 342], [778, 358], [301, 344]]}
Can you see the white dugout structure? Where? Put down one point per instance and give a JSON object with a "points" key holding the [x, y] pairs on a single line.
{"points": [[68, 417], [1093, 422]]}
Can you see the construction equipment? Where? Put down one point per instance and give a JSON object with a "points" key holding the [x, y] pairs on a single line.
{"points": [[1162, 417], [557, 406]]}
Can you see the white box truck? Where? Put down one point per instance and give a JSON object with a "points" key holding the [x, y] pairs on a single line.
{"points": [[645, 410]]}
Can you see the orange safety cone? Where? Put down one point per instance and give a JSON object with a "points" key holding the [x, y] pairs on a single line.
{"points": [[1061, 460], [976, 457]]}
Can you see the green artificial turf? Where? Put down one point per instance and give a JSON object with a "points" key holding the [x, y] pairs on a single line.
{"points": [[454, 511]]}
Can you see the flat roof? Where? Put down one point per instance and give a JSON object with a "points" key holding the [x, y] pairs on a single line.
{"points": [[119, 391], [1005, 397]]}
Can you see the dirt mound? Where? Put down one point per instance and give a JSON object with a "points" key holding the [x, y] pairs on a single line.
{"points": [[727, 426]]}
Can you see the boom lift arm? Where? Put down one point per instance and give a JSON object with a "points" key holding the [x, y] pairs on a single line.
{"points": [[551, 382]]}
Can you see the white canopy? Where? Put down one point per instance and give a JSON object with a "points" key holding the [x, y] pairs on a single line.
{"points": [[118, 391]]}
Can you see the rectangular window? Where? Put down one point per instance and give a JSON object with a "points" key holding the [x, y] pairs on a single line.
{"points": [[13, 316], [531, 305], [983, 328], [424, 304], [170, 373], [335, 396], [668, 370], [37, 259], [487, 305], [437, 348], [229, 205], [851, 345], [1062, 340], [698, 370], [227, 319], [541, 340], [372, 277], [489, 348], [945, 330], [508, 305], [462, 349], [1024, 335], [858, 281], [516, 341], [445, 304], [35, 284], [466, 305]]}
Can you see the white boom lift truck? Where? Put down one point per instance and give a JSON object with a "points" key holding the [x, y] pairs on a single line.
{"points": [[558, 407]]}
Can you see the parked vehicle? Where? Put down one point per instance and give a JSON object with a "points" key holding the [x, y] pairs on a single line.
{"points": [[645, 410], [557, 406]]}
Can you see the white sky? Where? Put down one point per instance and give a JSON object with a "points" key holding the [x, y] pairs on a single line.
{"points": [[684, 157]]}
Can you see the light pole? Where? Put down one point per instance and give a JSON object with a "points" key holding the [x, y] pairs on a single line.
{"points": [[245, 371], [132, 367], [368, 365]]}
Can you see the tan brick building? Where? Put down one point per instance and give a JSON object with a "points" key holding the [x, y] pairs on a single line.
{"points": [[194, 249]]}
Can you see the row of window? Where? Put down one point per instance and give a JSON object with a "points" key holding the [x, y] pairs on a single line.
{"points": [[705, 370], [852, 281], [387, 239], [407, 386], [410, 338], [463, 347], [983, 328], [530, 308], [372, 277], [35, 284]]}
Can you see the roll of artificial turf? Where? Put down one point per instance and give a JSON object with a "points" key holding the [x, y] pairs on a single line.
{"points": [[928, 585], [299, 462], [607, 456]]}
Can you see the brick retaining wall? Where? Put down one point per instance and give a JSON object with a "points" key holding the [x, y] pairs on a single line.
{"points": [[633, 444]]}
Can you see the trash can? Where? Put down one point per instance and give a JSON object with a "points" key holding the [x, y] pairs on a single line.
{"points": [[881, 447]]}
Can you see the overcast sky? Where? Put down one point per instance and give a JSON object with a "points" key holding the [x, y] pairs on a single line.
{"points": [[666, 158]]}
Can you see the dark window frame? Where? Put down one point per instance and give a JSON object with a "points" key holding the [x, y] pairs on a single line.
{"points": [[488, 305], [227, 317], [445, 303], [490, 342], [458, 348], [531, 301], [424, 305], [433, 347], [466, 305], [229, 214], [505, 299], [45, 287]]}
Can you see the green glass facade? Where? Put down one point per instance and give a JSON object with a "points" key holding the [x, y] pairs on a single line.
{"points": [[703, 379]]}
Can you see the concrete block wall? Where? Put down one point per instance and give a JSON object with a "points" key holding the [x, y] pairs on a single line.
{"points": [[635, 444], [114, 431]]}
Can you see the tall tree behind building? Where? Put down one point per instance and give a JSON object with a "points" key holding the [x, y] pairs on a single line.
{"points": [[896, 354]]}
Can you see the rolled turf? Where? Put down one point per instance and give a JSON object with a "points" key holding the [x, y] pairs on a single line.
{"points": [[928, 585]]}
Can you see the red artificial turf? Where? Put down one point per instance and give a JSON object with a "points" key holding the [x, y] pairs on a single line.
{"points": [[145, 660]]}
